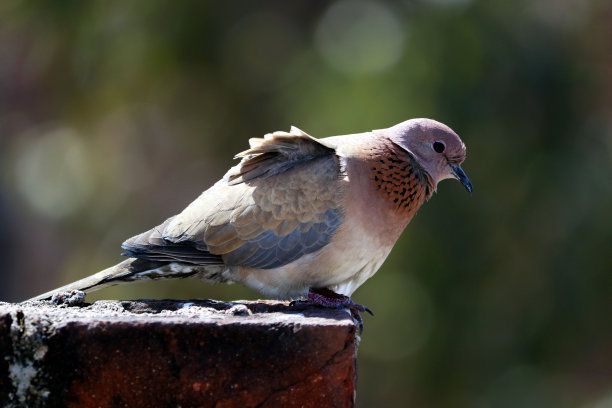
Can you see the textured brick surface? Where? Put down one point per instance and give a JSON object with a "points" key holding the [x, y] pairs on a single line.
{"points": [[168, 354], [5, 351]]}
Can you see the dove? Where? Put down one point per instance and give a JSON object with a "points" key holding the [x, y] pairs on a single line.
{"points": [[298, 217]]}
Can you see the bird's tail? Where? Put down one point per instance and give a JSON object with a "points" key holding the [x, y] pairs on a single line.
{"points": [[130, 270]]}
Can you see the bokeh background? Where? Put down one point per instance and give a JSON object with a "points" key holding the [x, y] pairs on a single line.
{"points": [[114, 115]]}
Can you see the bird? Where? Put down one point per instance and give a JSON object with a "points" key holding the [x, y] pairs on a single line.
{"points": [[298, 217]]}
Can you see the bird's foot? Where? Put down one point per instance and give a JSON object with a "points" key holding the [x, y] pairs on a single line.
{"points": [[330, 299]]}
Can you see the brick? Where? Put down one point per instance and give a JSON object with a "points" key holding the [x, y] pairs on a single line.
{"points": [[168, 354], [5, 351]]}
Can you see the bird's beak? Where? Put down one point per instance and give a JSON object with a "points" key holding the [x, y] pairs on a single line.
{"points": [[461, 176]]}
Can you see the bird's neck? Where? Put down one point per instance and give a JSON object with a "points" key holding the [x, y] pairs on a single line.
{"points": [[399, 179]]}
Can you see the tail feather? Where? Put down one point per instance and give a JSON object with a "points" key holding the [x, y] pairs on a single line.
{"points": [[130, 270]]}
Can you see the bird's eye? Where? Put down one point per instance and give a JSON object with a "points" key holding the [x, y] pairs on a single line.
{"points": [[438, 147]]}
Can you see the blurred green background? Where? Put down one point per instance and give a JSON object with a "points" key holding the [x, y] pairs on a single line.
{"points": [[115, 115]]}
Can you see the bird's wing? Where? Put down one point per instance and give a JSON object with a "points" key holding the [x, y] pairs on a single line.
{"points": [[280, 202]]}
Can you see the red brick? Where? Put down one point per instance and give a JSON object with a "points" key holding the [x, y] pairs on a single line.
{"points": [[161, 353]]}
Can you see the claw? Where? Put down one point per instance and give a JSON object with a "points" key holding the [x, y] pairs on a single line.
{"points": [[328, 298], [359, 308]]}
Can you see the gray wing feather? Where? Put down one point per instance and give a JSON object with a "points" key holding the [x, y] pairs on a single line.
{"points": [[269, 250]]}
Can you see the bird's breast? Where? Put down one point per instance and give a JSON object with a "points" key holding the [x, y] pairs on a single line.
{"points": [[384, 191]]}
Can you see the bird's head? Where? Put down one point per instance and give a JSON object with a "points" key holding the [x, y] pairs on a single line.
{"points": [[435, 146]]}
